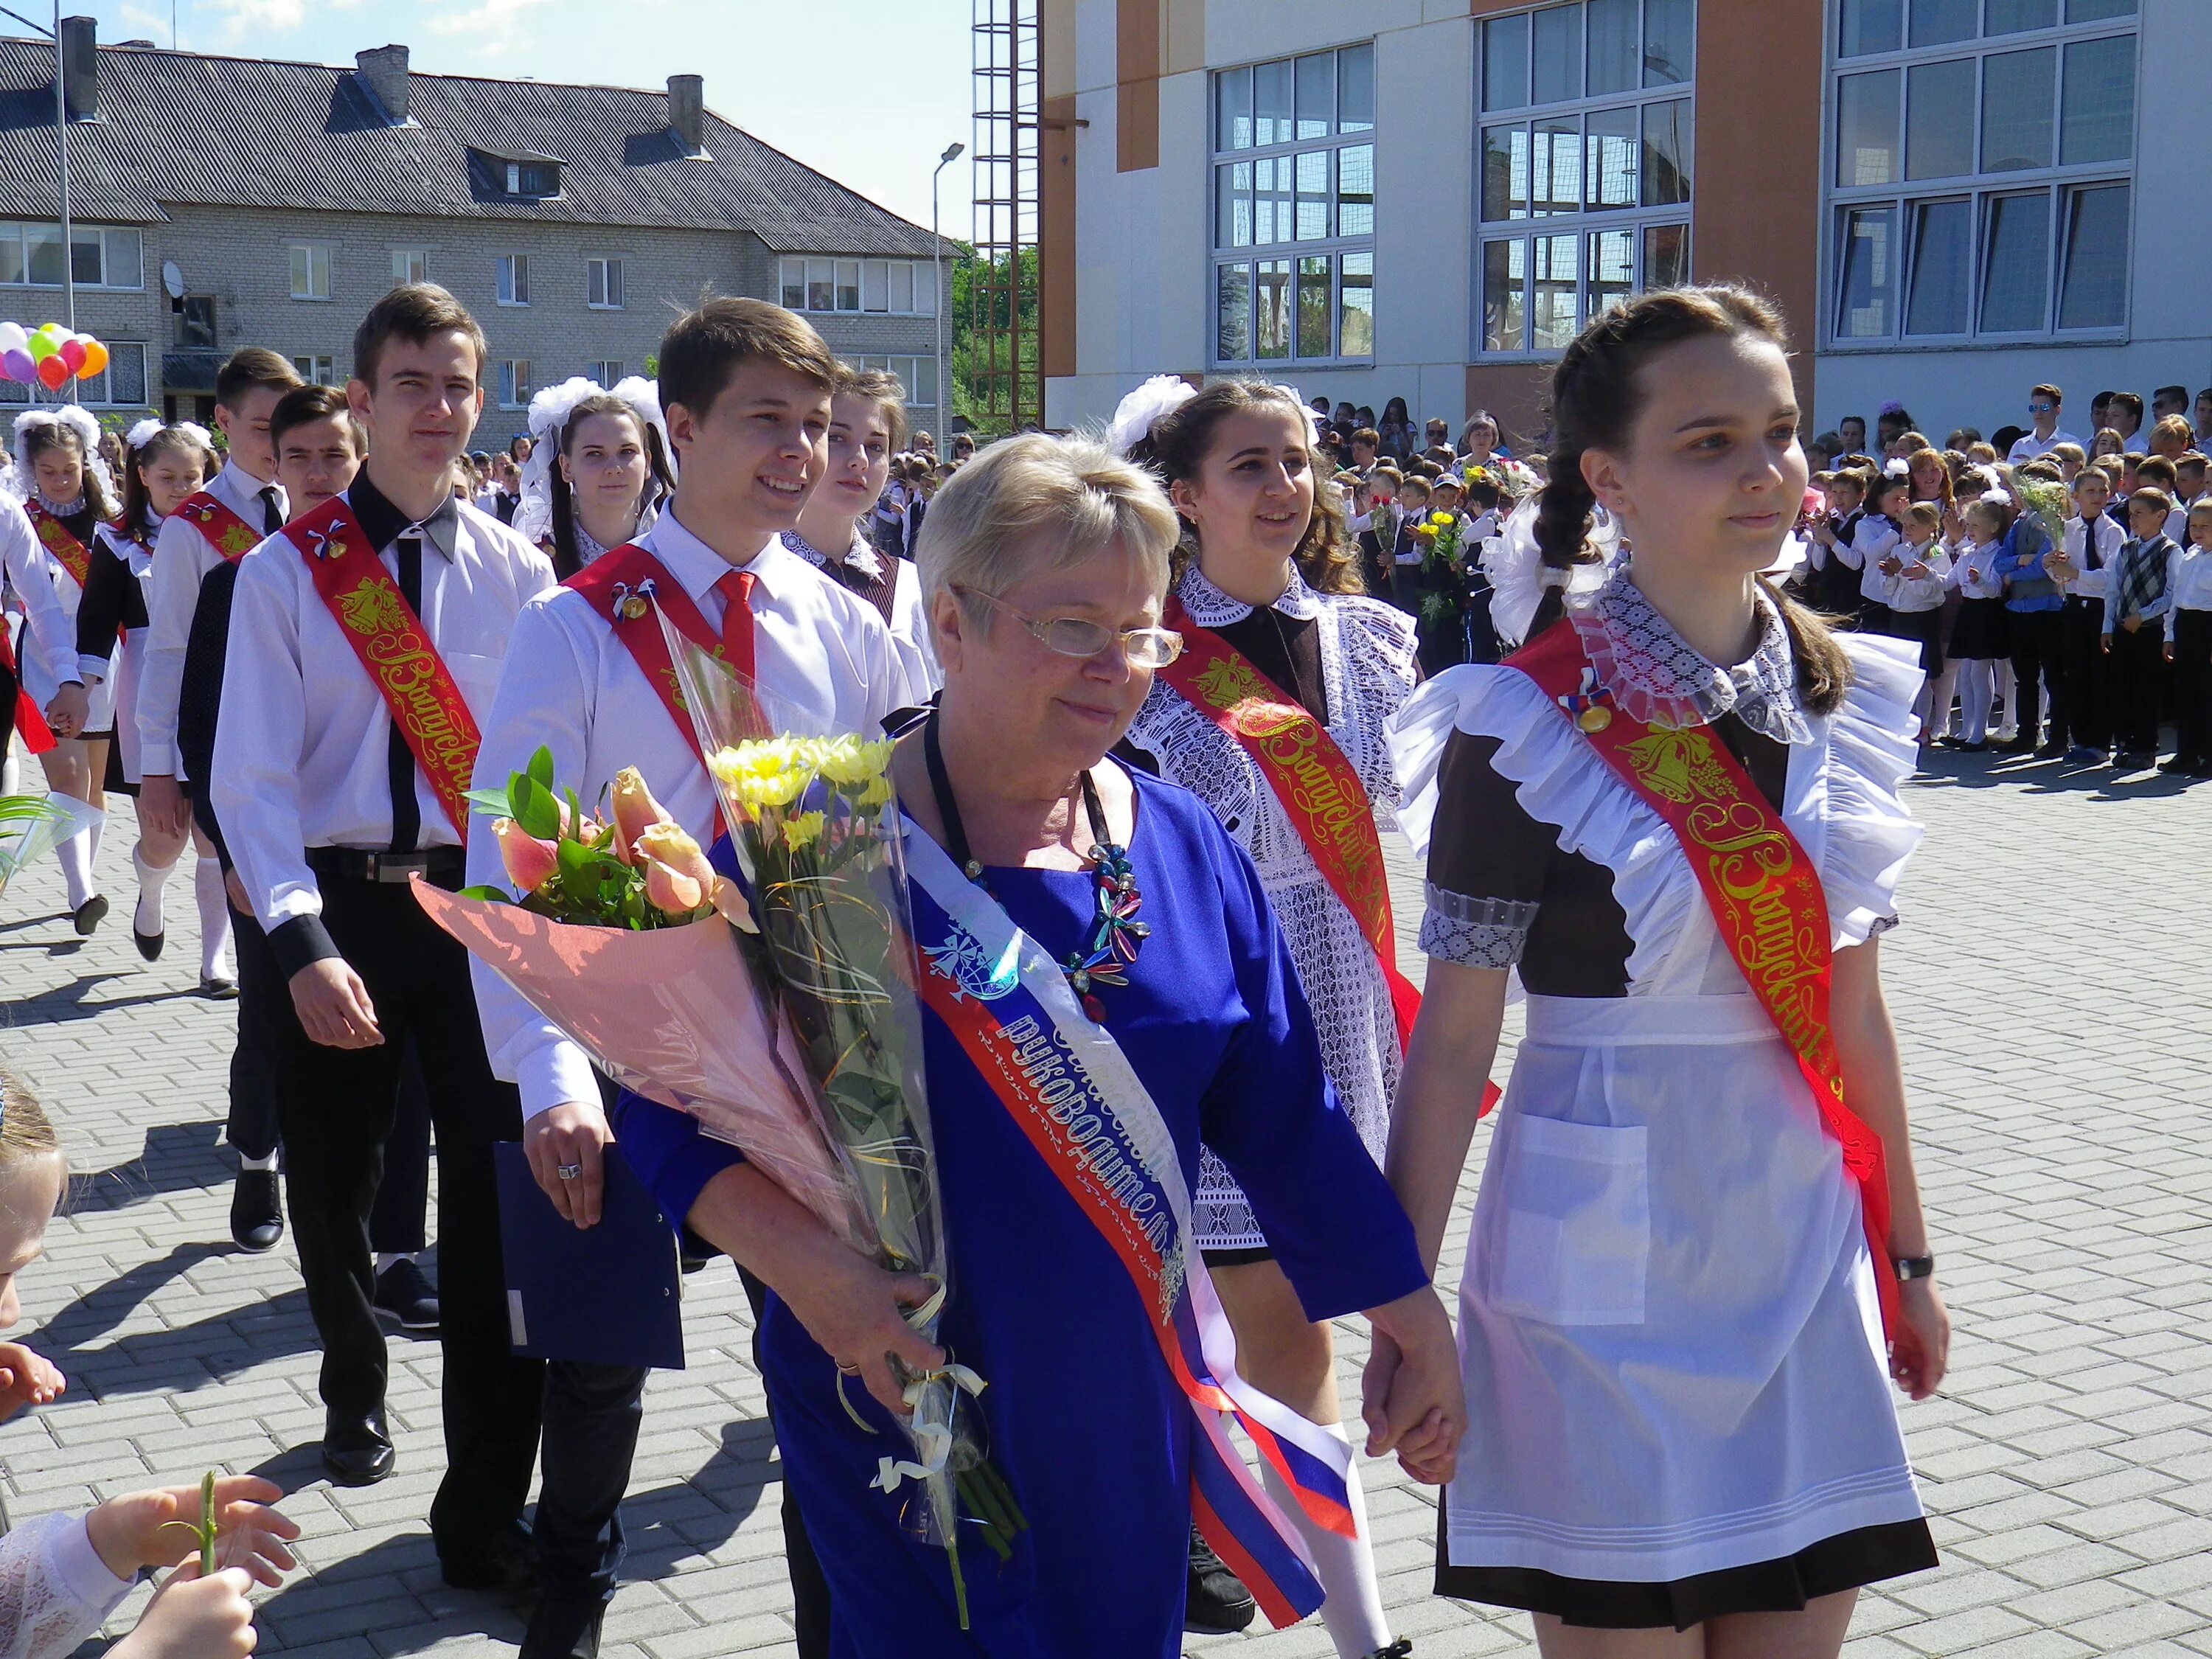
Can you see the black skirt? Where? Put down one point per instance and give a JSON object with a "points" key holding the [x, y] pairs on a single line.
{"points": [[1845, 1562], [1981, 631], [1925, 628]]}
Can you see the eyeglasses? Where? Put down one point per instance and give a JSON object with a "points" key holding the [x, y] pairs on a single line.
{"points": [[2041, 409], [1077, 636]]}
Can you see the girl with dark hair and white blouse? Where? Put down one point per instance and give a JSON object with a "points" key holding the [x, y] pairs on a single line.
{"points": [[1698, 1260], [1290, 679]]}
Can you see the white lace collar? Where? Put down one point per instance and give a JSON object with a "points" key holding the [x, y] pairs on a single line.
{"points": [[68, 509], [860, 556], [1657, 677], [1210, 607]]}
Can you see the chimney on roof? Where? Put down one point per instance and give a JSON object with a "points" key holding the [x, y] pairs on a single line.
{"points": [[79, 57], [384, 68], [687, 112]]}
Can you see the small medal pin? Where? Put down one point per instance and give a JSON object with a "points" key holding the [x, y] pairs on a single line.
{"points": [[630, 602], [1588, 706]]}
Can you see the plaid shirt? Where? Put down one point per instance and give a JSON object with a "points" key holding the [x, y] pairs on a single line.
{"points": [[2139, 581]]}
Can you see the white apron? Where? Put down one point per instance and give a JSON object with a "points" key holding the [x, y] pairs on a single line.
{"points": [[1671, 1344]]}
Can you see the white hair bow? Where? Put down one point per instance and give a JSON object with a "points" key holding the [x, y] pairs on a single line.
{"points": [[1136, 414]]}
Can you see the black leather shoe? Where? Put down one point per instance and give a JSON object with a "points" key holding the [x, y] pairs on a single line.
{"points": [[89, 914], [404, 1295], [1217, 1602], [257, 1215], [357, 1451], [218, 987], [503, 1570], [563, 1629], [149, 944]]}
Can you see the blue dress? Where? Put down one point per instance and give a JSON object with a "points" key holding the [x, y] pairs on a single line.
{"points": [[1085, 1421]]}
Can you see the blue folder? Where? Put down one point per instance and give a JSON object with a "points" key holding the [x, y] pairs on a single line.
{"points": [[606, 1295]]}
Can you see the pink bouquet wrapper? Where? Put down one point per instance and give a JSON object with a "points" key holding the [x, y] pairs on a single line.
{"points": [[672, 1014]]}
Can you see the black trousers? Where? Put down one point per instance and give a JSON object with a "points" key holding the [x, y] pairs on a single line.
{"points": [[335, 1109], [810, 1591], [2138, 680], [2080, 701], [2035, 664], [265, 1005], [2192, 685], [396, 1222]]}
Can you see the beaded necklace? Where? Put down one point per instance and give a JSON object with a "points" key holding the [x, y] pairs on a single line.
{"points": [[1115, 933]]}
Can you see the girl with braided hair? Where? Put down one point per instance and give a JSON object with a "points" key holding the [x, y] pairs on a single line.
{"points": [[1674, 814]]}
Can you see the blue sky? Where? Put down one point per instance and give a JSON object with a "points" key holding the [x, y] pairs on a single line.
{"points": [[868, 91]]}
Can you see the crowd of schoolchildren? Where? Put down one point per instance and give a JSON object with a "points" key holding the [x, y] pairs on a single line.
{"points": [[2060, 591]]}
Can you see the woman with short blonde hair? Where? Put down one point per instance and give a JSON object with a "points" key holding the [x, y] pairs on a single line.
{"points": [[1103, 927]]}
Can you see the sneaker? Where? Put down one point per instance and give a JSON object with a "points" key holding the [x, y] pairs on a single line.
{"points": [[2082, 754], [1217, 1603], [404, 1295]]}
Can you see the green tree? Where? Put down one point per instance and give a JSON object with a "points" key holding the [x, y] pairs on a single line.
{"points": [[979, 303]]}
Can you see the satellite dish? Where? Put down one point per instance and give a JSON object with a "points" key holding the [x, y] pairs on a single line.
{"points": [[173, 279]]}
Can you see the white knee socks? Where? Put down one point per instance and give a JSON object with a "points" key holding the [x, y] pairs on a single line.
{"points": [[75, 855], [147, 919], [1353, 1611], [214, 918]]}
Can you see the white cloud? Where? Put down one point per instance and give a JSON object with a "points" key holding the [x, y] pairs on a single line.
{"points": [[490, 24], [242, 18]]}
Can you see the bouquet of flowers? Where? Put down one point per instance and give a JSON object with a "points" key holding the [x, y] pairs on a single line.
{"points": [[1440, 535], [814, 823], [623, 935]]}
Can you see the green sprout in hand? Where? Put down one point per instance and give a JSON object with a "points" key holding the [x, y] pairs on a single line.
{"points": [[204, 1529]]}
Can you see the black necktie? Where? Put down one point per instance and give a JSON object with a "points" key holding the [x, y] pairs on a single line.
{"points": [[272, 515], [2092, 559], [406, 811]]}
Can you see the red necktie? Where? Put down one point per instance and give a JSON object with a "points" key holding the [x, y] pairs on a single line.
{"points": [[736, 588]]}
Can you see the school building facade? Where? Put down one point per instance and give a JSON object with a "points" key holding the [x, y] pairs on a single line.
{"points": [[1952, 199]]}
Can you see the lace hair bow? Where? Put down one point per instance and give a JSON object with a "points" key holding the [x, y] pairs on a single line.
{"points": [[1136, 414]]}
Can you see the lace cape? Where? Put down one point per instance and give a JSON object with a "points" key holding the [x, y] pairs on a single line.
{"points": [[55, 1591], [1368, 670], [1841, 800]]}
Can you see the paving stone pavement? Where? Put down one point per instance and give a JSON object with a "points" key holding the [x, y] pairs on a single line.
{"points": [[2047, 988]]}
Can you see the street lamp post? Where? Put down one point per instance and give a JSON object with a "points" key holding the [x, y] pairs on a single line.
{"points": [[944, 296]]}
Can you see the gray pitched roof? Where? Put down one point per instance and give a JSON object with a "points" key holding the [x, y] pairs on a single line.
{"points": [[187, 128]]}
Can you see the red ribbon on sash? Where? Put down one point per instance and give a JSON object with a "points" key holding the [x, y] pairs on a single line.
{"points": [[396, 649], [1765, 892], [226, 532], [37, 736], [624, 585], [74, 556], [1320, 793]]}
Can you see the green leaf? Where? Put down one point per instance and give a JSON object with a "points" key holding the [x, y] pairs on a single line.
{"points": [[492, 801], [575, 815], [541, 768], [489, 894], [537, 812], [577, 867]]}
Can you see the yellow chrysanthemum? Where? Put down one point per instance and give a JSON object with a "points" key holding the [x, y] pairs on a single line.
{"points": [[875, 793], [762, 774], [797, 831], [851, 760]]}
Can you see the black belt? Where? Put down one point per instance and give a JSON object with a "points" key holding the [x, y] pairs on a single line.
{"points": [[441, 866]]}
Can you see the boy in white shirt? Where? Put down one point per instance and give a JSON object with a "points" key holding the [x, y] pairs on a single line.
{"points": [[2080, 713]]}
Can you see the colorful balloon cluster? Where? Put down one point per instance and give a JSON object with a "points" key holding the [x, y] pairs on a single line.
{"points": [[48, 355]]}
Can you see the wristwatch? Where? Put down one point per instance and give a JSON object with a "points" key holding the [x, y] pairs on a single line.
{"points": [[1909, 1267]]}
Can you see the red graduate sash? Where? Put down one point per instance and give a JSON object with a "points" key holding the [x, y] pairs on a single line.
{"points": [[72, 554], [1320, 793], [395, 648], [624, 585], [226, 532], [1765, 892], [37, 736]]}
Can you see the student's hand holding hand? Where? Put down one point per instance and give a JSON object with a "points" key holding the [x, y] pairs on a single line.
{"points": [[194, 1618], [26, 1379]]}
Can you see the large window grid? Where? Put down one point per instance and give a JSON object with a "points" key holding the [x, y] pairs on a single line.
{"points": [[1980, 169], [1294, 194], [121, 385], [1583, 165], [100, 256], [896, 287]]}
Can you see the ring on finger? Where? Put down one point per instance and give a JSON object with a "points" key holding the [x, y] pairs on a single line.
{"points": [[569, 1172]]}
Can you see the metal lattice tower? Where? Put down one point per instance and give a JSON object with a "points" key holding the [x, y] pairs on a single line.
{"points": [[1003, 369]]}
